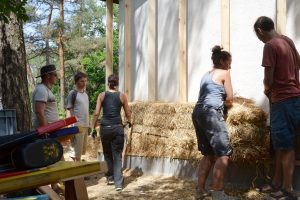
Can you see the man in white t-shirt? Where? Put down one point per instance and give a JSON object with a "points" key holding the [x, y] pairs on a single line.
{"points": [[78, 106], [44, 105]]}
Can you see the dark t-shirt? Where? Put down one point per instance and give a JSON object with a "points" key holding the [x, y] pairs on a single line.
{"points": [[281, 53]]}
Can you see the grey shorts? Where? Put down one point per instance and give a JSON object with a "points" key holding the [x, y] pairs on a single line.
{"points": [[211, 131]]}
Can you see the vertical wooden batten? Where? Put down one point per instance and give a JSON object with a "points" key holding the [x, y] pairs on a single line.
{"points": [[152, 50], [183, 51], [225, 24], [127, 41], [109, 40], [281, 16]]}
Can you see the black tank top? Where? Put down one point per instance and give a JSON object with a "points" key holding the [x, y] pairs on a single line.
{"points": [[111, 109]]}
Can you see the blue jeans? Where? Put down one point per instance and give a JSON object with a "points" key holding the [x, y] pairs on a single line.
{"points": [[112, 138], [285, 120]]}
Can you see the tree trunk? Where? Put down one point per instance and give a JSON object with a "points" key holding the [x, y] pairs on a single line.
{"points": [[48, 33], [13, 76], [61, 55]]}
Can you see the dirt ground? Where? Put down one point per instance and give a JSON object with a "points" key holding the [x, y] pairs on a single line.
{"points": [[140, 186]]}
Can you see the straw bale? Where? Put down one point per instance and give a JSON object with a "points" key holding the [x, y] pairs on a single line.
{"points": [[166, 130], [246, 133], [180, 121], [186, 108], [159, 120]]}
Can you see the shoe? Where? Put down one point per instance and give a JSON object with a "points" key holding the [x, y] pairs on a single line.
{"points": [[119, 189], [221, 195], [202, 194], [268, 188], [110, 180], [284, 195]]}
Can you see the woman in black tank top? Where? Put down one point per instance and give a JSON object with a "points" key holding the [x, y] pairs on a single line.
{"points": [[111, 129]]}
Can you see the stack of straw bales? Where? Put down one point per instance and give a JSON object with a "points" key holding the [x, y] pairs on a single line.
{"points": [[166, 130], [248, 131]]}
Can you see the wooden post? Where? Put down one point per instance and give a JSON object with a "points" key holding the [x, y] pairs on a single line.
{"points": [[109, 40], [152, 50], [225, 24], [127, 35], [281, 16], [182, 51]]}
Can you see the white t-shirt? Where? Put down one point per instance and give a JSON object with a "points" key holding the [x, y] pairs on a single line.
{"points": [[80, 109], [43, 94]]}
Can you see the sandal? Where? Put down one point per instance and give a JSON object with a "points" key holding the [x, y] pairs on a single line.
{"points": [[268, 188], [284, 195]]}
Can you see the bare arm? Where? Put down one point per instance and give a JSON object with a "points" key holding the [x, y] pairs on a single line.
{"points": [[228, 89], [97, 110], [68, 113], [126, 107], [268, 80], [40, 112]]}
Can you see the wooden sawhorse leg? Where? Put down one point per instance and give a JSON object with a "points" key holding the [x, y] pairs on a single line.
{"points": [[76, 190]]}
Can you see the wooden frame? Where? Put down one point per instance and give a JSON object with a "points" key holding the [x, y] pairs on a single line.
{"points": [[225, 24], [152, 59], [183, 51], [127, 41], [281, 16], [109, 40]]}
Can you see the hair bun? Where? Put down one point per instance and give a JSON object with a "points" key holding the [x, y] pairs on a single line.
{"points": [[216, 49]]}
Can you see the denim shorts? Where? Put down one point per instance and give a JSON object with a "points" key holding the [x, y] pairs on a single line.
{"points": [[211, 131], [284, 120]]}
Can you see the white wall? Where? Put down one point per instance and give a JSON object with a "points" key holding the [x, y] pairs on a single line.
{"points": [[246, 49], [204, 32], [139, 53], [293, 21], [167, 47]]}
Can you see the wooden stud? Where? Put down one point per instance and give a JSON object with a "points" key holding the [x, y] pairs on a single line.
{"points": [[225, 24], [109, 40], [281, 16], [152, 50], [127, 35], [182, 51]]}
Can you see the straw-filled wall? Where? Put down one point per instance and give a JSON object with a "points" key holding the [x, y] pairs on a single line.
{"points": [[166, 130]]}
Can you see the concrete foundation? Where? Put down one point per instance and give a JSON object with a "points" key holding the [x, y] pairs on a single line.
{"points": [[238, 176]]}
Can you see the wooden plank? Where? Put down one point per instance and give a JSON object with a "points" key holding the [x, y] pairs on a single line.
{"points": [[52, 174], [109, 40], [182, 51], [281, 16], [48, 190], [127, 41], [76, 190], [225, 24], [152, 45]]}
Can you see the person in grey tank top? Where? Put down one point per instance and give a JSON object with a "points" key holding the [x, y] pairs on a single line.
{"points": [[208, 118], [111, 129]]}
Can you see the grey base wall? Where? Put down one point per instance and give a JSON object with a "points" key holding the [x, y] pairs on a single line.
{"points": [[238, 176]]}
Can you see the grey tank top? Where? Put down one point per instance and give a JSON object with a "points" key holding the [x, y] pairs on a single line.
{"points": [[211, 94], [111, 109]]}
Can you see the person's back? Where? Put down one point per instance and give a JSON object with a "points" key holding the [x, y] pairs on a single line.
{"points": [[111, 109], [211, 93], [280, 52], [112, 130]]}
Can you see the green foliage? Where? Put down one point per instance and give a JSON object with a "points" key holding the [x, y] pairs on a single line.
{"points": [[13, 6], [95, 68], [84, 41]]}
